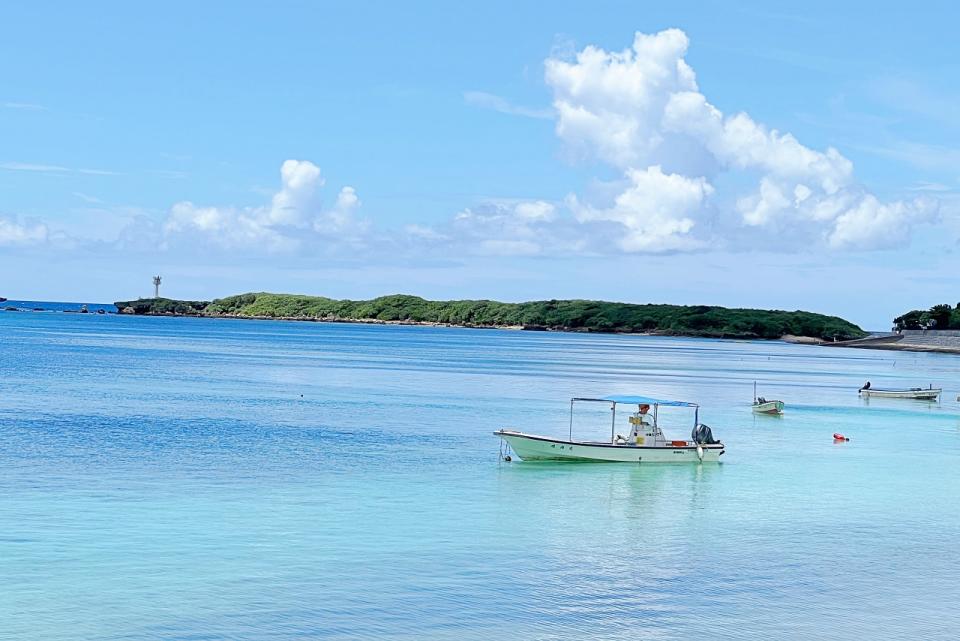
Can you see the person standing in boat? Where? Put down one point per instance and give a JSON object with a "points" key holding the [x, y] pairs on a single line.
{"points": [[866, 386], [640, 424]]}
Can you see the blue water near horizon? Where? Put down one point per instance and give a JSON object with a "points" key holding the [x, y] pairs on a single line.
{"points": [[183, 478]]}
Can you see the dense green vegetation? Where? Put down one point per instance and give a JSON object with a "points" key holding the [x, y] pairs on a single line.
{"points": [[937, 317], [570, 315], [162, 306]]}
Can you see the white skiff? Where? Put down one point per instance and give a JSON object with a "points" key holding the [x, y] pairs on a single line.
{"points": [[917, 393], [768, 407], [646, 442], [763, 406]]}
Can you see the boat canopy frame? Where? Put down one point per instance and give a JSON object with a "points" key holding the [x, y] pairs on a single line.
{"points": [[615, 400]]}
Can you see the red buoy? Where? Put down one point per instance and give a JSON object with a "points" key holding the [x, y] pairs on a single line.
{"points": [[837, 436]]}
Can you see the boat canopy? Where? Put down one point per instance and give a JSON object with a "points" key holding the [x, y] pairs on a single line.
{"points": [[627, 399], [639, 400]]}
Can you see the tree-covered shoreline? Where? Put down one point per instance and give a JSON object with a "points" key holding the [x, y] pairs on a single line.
{"points": [[942, 316], [557, 315]]}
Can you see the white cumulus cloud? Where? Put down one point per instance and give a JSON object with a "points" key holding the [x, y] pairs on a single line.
{"points": [[656, 211], [341, 221], [611, 103], [871, 223], [640, 110], [297, 198], [294, 219]]}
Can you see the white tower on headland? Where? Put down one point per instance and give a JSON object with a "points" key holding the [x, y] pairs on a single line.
{"points": [[156, 286]]}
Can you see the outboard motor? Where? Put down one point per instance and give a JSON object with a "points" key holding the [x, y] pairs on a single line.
{"points": [[703, 435]]}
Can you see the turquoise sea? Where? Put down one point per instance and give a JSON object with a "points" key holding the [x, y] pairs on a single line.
{"points": [[176, 478]]}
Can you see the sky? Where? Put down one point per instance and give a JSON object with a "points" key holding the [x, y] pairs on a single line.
{"points": [[735, 154]]}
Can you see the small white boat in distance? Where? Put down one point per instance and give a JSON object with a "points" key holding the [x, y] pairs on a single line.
{"points": [[916, 393], [763, 406], [646, 442]]}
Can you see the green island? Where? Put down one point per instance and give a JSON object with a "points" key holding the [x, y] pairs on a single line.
{"points": [[557, 315], [937, 317]]}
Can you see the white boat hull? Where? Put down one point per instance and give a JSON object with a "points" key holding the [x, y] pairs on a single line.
{"points": [[917, 394], [769, 407], [541, 448]]}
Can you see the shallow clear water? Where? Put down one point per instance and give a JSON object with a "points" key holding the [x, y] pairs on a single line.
{"points": [[174, 478]]}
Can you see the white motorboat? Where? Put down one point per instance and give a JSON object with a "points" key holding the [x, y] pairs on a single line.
{"points": [[645, 443], [916, 393], [763, 406]]}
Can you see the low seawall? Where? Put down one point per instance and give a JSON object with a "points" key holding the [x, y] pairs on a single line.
{"points": [[910, 340]]}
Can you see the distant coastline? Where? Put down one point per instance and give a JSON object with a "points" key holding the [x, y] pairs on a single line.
{"points": [[552, 315], [930, 340]]}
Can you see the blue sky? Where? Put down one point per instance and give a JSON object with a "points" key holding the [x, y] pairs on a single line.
{"points": [[458, 151]]}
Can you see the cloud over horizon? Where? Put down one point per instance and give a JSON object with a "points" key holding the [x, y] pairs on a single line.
{"points": [[690, 179], [294, 219], [694, 176]]}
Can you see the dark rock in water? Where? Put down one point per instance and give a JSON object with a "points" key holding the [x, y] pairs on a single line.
{"points": [[10, 309], [84, 310], [100, 311], [39, 309]]}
